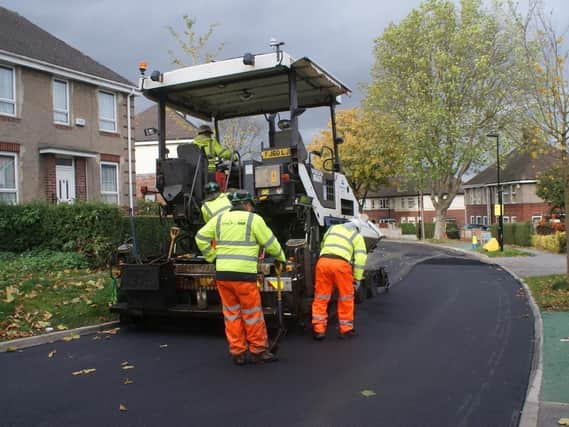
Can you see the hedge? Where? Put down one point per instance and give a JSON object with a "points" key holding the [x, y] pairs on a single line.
{"points": [[517, 233], [91, 229], [408, 228], [553, 242]]}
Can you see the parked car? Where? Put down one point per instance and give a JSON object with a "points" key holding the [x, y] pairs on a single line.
{"points": [[476, 227]]}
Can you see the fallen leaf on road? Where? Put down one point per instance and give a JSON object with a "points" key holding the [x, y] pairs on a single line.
{"points": [[563, 421], [122, 408], [11, 349], [71, 337], [113, 331], [126, 362], [163, 345], [51, 353], [127, 381], [368, 393], [84, 371], [564, 339], [128, 367], [96, 337]]}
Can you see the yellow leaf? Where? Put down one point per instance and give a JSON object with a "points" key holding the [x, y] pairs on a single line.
{"points": [[127, 381], [125, 363], [75, 300], [71, 337], [84, 371], [368, 393], [128, 367], [51, 353], [122, 408], [11, 349], [61, 327], [163, 345], [11, 293], [563, 421], [113, 331]]}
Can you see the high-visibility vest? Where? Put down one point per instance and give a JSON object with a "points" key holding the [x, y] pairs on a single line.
{"points": [[347, 243], [216, 206], [239, 235], [212, 150]]}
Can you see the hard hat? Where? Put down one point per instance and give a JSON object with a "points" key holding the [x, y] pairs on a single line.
{"points": [[204, 129], [211, 187], [241, 196]]}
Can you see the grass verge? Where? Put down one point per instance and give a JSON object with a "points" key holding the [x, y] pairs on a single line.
{"points": [[44, 291], [551, 293], [509, 251]]}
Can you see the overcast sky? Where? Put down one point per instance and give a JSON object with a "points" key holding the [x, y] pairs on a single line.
{"points": [[337, 35]]}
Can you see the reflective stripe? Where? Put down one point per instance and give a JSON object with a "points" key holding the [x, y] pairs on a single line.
{"points": [[202, 237], [359, 266], [341, 236], [322, 296], [218, 227], [218, 211], [346, 297], [235, 243], [206, 207], [207, 250], [254, 320], [251, 310], [353, 236], [319, 317], [233, 317], [281, 253], [211, 153], [268, 242], [231, 307], [239, 257], [360, 252], [334, 245], [346, 322], [248, 227]]}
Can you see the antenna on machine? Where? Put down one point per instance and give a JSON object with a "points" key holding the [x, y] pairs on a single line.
{"points": [[276, 45]]}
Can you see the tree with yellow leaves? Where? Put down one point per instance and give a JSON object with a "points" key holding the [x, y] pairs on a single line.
{"points": [[371, 152]]}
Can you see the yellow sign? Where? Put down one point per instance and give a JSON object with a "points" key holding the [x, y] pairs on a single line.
{"points": [[275, 153], [497, 210]]}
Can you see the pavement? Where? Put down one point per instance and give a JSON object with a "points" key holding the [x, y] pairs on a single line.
{"points": [[550, 388]]}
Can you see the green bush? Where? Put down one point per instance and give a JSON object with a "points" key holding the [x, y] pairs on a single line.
{"points": [[407, 228], [517, 233], [452, 231], [152, 234], [556, 243], [429, 230], [87, 228], [147, 208]]}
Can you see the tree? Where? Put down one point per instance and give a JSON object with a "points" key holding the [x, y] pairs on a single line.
{"points": [[241, 134], [545, 85], [371, 151], [193, 45], [443, 72], [551, 188]]}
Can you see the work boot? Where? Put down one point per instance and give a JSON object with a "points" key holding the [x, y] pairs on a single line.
{"points": [[350, 334], [264, 357], [239, 359], [318, 336]]}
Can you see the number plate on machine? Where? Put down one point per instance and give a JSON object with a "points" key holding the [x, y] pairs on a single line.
{"points": [[275, 153]]}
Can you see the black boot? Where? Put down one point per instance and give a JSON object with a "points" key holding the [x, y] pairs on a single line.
{"points": [[318, 336], [239, 359], [350, 334], [264, 357]]}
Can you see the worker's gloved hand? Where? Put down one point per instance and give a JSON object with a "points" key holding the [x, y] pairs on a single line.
{"points": [[279, 265], [356, 285]]}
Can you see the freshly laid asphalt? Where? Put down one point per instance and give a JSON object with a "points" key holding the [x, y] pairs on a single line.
{"points": [[450, 345]]}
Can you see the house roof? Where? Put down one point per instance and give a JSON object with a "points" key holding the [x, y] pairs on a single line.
{"points": [[177, 127], [396, 189], [519, 165], [22, 37]]}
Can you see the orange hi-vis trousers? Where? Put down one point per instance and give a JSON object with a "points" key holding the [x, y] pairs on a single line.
{"points": [[330, 272], [244, 321]]}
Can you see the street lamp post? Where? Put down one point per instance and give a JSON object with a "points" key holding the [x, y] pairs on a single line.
{"points": [[499, 187]]}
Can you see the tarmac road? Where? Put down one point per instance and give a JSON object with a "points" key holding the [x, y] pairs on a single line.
{"points": [[449, 345]]}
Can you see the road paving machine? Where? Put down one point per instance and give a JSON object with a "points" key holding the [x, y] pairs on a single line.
{"points": [[297, 200]]}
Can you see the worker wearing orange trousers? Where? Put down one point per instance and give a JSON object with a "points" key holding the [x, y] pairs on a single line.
{"points": [[239, 234], [341, 245]]}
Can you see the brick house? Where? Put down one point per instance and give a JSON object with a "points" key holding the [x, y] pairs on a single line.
{"points": [[403, 204], [518, 177], [179, 131], [63, 120]]}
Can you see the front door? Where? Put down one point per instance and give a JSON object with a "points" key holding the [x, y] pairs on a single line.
{"points": [[65, 180]]}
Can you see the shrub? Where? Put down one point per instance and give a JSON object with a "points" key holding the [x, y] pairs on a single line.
{"points": [[544, 228], [147, 207], [429, 230], [407, 228], [517, 233], [152, 233], [452, 231], [554, 242]]}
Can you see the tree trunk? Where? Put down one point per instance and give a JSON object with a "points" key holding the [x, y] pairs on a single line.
{"points": [[440, 225]]}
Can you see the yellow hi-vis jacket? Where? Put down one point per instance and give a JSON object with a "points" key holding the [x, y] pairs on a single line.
{"points": [[216, 206], [239, 235], [347, 243], [212, 150]]}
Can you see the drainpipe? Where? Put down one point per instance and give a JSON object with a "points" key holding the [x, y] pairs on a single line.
{"points": [[129, 137]]}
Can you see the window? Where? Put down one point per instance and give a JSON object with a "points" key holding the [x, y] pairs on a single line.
{"points": [[110, 182], [373, 203], [506, 219], [535, 218], [7, 91], [8, 178], [60, 102], [410, 202], [485, 220], [403, 203], [383, 203], [513, 219], [472, 219], [478, 219], [107, 112]]}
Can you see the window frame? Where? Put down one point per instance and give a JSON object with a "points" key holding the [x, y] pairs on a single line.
{"points": [[10, 101], [117, 192], [15, 189], [58, 110], [107, 119]]}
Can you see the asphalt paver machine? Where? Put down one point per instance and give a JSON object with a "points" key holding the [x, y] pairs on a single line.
{"points": [[297, 200]]}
